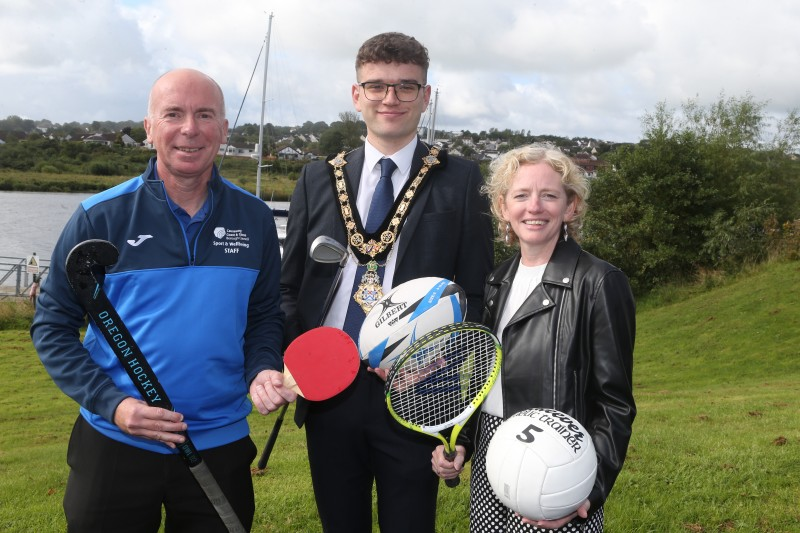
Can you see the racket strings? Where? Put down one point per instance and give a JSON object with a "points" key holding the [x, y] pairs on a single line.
{"points": [[441, 380]]}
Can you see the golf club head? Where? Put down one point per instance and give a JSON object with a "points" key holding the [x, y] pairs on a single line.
{"points": [[327, 250]]}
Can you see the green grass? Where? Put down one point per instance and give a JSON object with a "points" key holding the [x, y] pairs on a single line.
{"points": [[716, 444]]}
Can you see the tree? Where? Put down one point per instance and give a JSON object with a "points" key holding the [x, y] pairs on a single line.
{"points": [[319, 128], [138, 134], [331, 141], [695, 194], [17, 124], [647, 217], [353, 129], [466, 151], [343, 135]]}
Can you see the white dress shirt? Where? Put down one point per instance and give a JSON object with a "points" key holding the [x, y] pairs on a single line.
{"points": [[370, 175]]}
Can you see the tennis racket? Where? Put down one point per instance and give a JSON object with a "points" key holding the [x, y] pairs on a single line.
{"points": [[440, 380], [317, 365]]}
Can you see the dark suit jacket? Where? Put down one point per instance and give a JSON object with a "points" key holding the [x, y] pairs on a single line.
{"points": [[447, 233]]}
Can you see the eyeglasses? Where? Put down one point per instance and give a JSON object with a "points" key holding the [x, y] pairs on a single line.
{"points": [[405, 91]]}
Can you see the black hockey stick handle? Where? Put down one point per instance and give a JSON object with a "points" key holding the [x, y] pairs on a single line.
{"points": [[82, 261], [273, 436]]}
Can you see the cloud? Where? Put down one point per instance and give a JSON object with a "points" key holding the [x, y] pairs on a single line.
{"points": [[570, 67]]}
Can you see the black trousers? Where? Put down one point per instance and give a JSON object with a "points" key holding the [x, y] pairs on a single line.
{"points": [[353, 441], [116, 487]]}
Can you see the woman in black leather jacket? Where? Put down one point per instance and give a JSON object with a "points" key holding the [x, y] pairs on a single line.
{"points": [[566, 320]]}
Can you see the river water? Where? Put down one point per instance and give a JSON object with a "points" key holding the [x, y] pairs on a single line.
{"points": [[32, 221]]}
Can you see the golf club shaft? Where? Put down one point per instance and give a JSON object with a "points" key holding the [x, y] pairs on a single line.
{"points": [[273, 436]]}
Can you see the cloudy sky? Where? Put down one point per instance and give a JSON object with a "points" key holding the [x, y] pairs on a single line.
{"points": [[561, 67]]}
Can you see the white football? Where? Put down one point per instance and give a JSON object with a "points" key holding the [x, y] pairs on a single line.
{"points": [[404, 314], [541, 463]]}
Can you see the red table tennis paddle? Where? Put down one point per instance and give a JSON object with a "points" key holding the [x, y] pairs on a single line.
{"points": [[320, 363]]}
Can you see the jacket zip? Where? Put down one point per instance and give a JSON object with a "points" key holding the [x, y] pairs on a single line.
{"points": [[191, 248], [557, 349], [202, 226]]}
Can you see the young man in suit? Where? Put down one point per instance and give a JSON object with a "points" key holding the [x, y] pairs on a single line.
{"points": [[434, 223]]}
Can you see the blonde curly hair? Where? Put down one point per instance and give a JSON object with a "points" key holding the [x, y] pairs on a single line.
{"points": [[504, 169]]}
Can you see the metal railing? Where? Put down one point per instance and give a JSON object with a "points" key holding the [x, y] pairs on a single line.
{"points": [[15, 279]]}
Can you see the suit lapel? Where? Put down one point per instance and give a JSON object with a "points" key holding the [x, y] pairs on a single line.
{"points": [[418, 207], [353, 168], [352, 173]]}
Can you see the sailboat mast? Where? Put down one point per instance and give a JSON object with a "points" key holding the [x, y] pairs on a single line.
{"points": [[263, 108], [432, 129]]}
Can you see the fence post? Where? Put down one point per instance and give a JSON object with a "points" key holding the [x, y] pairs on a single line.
{"points": [[18, 291]]}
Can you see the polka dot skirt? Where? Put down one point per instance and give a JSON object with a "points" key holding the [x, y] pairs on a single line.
{"points": [[487, 514]]}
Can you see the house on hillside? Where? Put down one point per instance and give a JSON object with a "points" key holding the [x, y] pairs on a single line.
{"points": [[304, 138], [236, 151], [589, 163], [127, 140], [100, 138], [290, 154]]}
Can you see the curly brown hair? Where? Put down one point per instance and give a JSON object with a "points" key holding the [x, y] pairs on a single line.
{"points": [[393, 47]]}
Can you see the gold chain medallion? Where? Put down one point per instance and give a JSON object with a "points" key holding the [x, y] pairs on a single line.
{"points": [[370, 289]]}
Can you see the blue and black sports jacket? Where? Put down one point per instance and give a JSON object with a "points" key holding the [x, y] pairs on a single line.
{"points": [[206, 314]]}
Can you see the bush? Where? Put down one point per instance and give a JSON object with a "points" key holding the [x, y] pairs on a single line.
{"points": [[783, 240], [15, 314], [49, 169], [733, 241], [104, 168], [141, 157]]}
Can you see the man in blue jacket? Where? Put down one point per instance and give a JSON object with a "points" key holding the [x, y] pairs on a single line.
{"points": [[197, 284]]}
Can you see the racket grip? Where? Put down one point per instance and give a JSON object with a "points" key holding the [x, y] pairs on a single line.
{"points": [[453, 482]]}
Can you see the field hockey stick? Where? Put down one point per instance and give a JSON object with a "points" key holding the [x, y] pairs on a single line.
{"points": [[323, 250], [439, 381], [81, 263]]}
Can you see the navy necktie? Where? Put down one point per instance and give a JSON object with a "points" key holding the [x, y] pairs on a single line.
{"points": [[382, 200]]}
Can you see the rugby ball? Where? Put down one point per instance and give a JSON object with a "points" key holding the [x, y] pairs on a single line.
{"points": [[541, 463], [404, 314]]}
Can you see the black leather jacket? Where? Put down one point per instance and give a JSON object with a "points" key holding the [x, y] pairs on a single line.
{"points": [[570, 347]]}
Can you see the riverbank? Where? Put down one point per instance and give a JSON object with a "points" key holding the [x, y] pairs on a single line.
{"points": [[273, 186]]}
